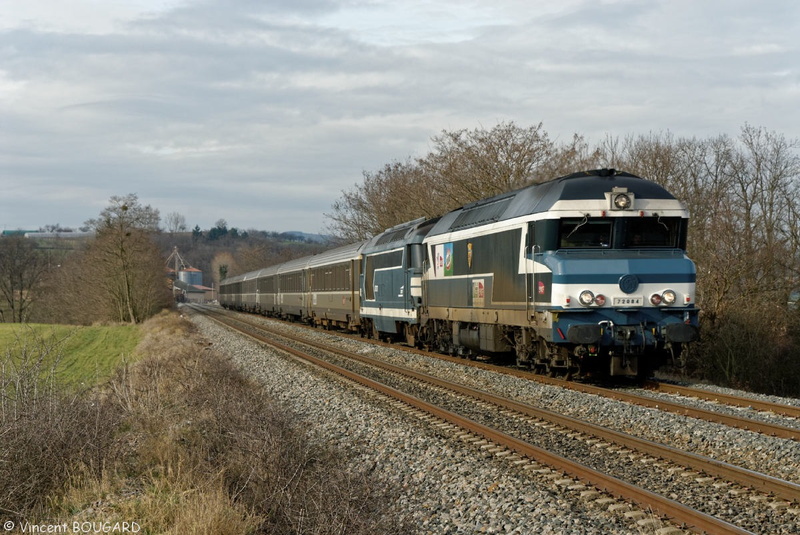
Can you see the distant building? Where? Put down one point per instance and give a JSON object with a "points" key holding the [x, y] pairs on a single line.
{"points": [[15, 233], [187, 282], [72, 235], [192, 293]]}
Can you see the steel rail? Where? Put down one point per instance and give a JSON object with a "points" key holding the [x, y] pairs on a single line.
{"points": [[748, 424], [739, 422], [697, 521], [727, 399]]}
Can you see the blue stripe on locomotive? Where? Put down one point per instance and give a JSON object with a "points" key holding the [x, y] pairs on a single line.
{"points": [[662, 268], [578, 267]]}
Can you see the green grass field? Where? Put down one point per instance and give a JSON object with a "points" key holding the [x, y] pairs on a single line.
{"points": [[85, 355]]}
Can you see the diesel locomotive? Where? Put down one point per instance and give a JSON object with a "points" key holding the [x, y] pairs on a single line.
{"points": [[583, 274]]}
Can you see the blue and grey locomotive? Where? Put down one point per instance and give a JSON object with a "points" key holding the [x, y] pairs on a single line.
{"points": [[391, 282], [584, 273]]}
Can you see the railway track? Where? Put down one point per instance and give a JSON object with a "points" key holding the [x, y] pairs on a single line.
{"points": [[737, 421], [613, 441], [741, 422], [790, 411]]}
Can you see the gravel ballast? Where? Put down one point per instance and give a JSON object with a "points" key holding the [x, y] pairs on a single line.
{"points": [[446, 485]]}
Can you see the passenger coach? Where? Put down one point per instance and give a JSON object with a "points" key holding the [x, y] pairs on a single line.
{"points": [[334, 286], [322, 289]]}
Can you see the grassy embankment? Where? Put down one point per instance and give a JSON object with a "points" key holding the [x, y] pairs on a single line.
{"points": [[81, 355], [171, 436]]}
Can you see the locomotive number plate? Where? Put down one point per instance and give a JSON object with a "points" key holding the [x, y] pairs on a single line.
{"points": [[627, 301]]}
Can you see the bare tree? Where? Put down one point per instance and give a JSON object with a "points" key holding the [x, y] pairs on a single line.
{"points": [[22, 268], [175, 222], [464, 166], [124, 213], [123, 263], [387, 197], [224, 265], [470, 165]]}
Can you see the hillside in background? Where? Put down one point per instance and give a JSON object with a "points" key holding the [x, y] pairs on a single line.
{"points": [[236, 251]]}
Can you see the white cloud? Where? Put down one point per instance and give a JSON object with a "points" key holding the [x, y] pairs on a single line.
{"points": [[77, 16], [758, 49]]}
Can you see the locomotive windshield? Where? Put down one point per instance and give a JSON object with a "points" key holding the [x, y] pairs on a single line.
{"points": [[619, 233], [651, 232], [586, 233]]}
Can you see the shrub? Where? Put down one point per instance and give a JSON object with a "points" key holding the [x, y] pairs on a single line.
{"points": [[46, 428]]}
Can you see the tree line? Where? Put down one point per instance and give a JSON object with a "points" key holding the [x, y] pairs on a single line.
{"points": [[118, 276], [118, 273]]}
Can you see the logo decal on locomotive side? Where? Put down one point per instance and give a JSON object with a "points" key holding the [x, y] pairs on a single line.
{"points": [[448, 259], [478, 293]]}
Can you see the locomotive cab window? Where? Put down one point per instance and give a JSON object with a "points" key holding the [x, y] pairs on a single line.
{"points": [[651, 232], [622, 233], [585, 233]]}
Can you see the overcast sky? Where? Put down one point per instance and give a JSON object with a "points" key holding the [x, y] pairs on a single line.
{"points": [[261, 112]]}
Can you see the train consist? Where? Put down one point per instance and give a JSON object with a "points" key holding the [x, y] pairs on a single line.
{"points": [[584, 274]]}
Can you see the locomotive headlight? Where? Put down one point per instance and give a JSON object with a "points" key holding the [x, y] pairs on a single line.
{"points": [[622, 201], [669, 297], [586, 298]]}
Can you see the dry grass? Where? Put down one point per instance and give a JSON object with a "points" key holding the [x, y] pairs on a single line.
{"points": [[184, 443], [46, 428]]}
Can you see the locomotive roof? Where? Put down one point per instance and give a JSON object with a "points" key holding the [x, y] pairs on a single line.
{"points": [[537, 198], [397, 236]]}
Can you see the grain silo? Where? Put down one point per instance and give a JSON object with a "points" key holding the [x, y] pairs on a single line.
{"points": [[191, 276]]}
